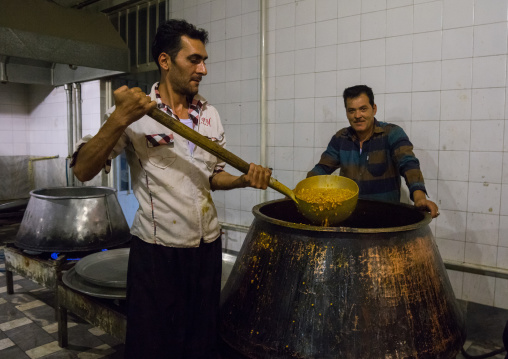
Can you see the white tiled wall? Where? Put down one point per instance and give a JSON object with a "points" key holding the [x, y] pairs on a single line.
{"points": [[47, 121], [33, 118], [438, 69], [33, 122], [13, 120]]}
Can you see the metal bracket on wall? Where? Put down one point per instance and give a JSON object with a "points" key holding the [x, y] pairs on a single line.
{"points": [[476, 269]]}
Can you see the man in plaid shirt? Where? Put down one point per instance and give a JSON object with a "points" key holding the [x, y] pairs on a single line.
{"points": [[374, 154]]}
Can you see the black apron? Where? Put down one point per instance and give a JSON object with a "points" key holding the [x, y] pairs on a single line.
{"points": [[173, 301]]}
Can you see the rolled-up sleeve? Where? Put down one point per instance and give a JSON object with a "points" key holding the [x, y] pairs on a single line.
{"points": [[119, 146]]}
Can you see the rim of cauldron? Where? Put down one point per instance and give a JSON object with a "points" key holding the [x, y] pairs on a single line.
{"points": [[425, 219], [88, 192]]}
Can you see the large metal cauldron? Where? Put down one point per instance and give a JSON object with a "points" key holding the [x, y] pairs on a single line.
{"points": [[71, 219], [374, 288]]}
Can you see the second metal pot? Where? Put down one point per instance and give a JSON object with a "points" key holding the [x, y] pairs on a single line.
{"points": [[71, 219]]}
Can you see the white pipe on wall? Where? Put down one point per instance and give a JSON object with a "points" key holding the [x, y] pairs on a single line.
{"points": [[70, 133], [262, 95], [78, 118], [476, 269], [107, 86], [234, 227], [3, 69]]}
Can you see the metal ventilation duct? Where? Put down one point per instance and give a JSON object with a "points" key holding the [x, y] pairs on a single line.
{"points": [[44, 43]]}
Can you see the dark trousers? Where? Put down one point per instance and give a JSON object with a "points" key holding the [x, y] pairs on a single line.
{"points": [[173, 301]]}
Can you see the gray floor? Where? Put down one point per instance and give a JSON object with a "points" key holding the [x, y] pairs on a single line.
{"points": [[28, 328], [485, 327]]}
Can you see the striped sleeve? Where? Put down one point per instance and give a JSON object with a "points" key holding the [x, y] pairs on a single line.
{"points": [[405, 159], [330, 159]]}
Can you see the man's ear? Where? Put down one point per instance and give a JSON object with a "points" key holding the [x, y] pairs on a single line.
{"points": [[374, 109], [164, 61]]}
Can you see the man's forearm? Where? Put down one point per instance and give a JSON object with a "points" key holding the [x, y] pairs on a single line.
{"points": [[94, 154], [131, 105], [419, 195], [257, 177], [224, 181]]}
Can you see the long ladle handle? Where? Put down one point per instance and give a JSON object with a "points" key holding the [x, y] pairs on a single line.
{"points": [[212, 147]]}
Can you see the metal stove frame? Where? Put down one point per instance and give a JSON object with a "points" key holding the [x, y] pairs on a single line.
{"points": [[46, 272], [102, 313]]}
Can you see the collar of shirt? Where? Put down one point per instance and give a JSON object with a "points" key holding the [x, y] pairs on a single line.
{"points": [[194, 107]]}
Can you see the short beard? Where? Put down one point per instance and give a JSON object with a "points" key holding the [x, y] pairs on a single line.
{"points": [[192, 93], [187, 92]]}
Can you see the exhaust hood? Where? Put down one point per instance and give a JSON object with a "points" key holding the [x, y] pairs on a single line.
{"points": [[44, 43]]}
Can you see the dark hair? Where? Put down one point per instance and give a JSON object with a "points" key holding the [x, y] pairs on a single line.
{"points": [[168, 38], [355, 91]]}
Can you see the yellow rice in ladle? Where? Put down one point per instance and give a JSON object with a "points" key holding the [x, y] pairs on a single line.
{"points": [[328, 197]]}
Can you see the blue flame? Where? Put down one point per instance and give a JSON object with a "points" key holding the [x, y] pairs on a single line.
{"points": [[54, 255]]}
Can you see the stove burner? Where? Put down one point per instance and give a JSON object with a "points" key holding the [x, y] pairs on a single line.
{"points": [[55, 255], [67, 256]]}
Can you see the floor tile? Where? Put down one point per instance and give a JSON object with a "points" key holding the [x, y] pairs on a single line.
{"points": [[43, 350], [13, 353], [96, 331], [476, 350], [9, 313], [29, 336], [27, 284], [112, 341], [15, 287], [80, 336], [19, 297], [53, 328], [29, 305], [45, 295], [15, 323], [43, 315], [6, 343], [62, 354], [101, 351]]}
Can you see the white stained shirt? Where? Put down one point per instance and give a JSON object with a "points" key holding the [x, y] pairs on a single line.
{"points": [[171, 182], [188, 122]]}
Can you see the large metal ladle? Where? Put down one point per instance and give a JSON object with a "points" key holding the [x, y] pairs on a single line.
{"points": [[311, 211]]}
